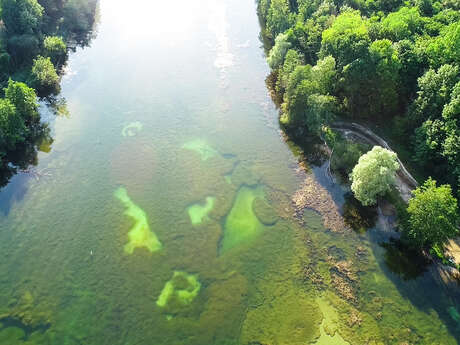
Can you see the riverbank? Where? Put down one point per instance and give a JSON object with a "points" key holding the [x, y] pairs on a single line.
{"points": [[405, 184]]}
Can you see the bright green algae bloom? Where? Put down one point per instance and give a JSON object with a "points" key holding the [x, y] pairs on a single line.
{"points": [[202, 147], [198, 212], [131, 129], [242, 224], [328, 328], [140, 234], [181, 289]]}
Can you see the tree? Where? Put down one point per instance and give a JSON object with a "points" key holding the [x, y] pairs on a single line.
{"points": [[24, 100], [22, 16], [55, 49], [445, 48], [402, 24], [23, 48], [347, 39], [307, 101], [433, 215], [278, 17], [374, 175], [12, 128], [44, 77], [386, 63], [291, 61], [279, 50]]}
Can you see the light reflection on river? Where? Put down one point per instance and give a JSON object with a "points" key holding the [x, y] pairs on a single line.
{"points": [[167, 216]]}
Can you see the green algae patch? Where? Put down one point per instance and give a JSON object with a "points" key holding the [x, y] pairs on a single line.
{"points": [[264, 212], [180, 291], [198, 212], [140, 234], [201, 147], [329, 334], [131, 129], [241, 224]]}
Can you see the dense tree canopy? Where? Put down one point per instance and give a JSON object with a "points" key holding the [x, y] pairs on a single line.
{"points": [[396, 63]]}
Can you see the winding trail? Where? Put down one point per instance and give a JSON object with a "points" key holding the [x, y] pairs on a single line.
{"points": [[405, 182]]}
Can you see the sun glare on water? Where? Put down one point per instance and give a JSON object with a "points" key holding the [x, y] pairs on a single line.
{"points": [[147, 18]]}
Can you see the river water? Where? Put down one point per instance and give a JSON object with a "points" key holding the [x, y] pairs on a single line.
{"points": [[164, 213]]}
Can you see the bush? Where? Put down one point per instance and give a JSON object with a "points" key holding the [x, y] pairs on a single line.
{"points": [[44, 77], [55, 49], [346, 155]]}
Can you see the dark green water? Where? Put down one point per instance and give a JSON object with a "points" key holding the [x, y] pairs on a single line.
{"points": [[163, 214]]}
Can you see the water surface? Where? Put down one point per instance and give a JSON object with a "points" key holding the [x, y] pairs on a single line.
{"points": [[165, 216]]}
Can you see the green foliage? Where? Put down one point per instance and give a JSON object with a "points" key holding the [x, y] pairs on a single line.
{"points": [[291, 61], [44, 77], [23, 48], [402, 24], [30, 29], [12, 127], [433, 215], [395, 62], [279, 50], [22, 16], [436, 112], [347, 39], [278, 17], [445, 48], [19, 126], [24, 100], [78, 18], [346, 155], [387, 65], [55, 49], [374, 175], [307, 102]]}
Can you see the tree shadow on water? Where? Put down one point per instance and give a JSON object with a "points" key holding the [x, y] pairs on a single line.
{"points": [[23, 159], [421, 281]]}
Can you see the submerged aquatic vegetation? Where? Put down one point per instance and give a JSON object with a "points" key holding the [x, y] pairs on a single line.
{"points": [[202, 148], [242, 224], [181, 290], [140, 234], [198, 212], [289, 317], [328, 328], [131, 129], [242, 175], [264, 212], [134, 163]]}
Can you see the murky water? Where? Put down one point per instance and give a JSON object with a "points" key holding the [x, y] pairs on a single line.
{"points": [[166, 217]]}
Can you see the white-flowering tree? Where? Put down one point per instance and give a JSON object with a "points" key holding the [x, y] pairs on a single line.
{"points": [[374, 175]]}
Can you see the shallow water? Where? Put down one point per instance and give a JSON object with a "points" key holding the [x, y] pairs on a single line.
{"points": [[121, 244]]}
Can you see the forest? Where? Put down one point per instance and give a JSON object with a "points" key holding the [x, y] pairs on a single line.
{"points": [[390, 62], [35, 37]]}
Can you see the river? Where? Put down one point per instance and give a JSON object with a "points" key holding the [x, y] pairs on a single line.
{"points": [[164, 213]]}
